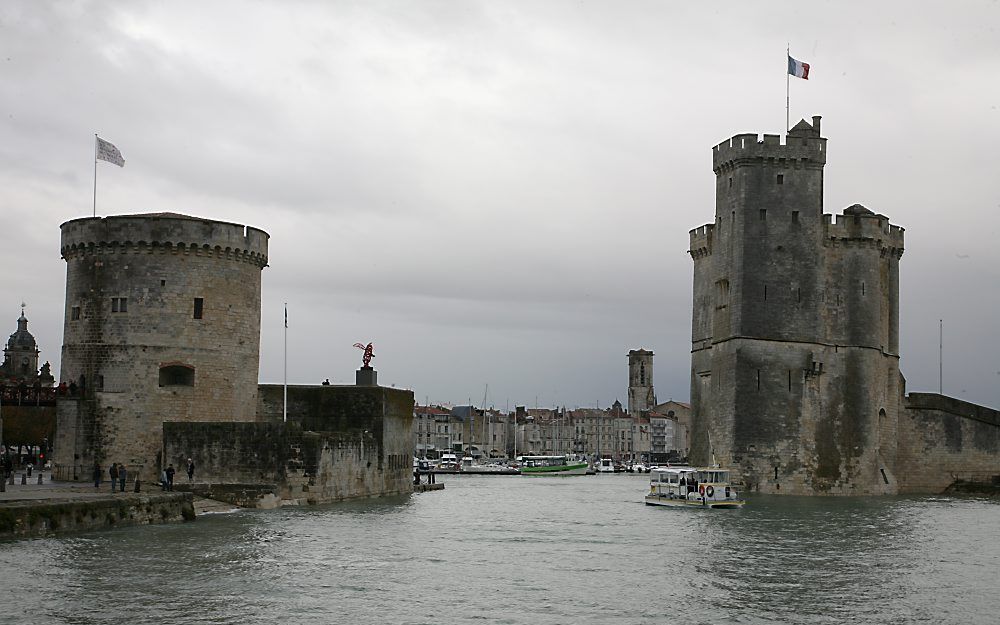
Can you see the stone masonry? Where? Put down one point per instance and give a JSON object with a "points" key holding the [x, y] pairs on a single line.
{"points": [[795, 343], [162, 323], [641, 397]]}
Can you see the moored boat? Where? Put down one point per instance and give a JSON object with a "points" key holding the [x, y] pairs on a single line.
{"points": [[448, 464], [552, 466], [689, 487]]}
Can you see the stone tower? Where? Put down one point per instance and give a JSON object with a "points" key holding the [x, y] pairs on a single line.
{"points": [[795, 344], [162, 323], [640, 381]]}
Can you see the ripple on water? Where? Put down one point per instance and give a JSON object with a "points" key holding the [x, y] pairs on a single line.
{"points": [[510, 550]]}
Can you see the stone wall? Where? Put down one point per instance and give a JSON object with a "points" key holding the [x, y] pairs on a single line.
{"points": [[34, 518], [340, 442], [943, 440], [162, 323]]}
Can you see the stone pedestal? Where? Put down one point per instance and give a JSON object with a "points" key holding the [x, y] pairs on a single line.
{"points": [[366, 376]]}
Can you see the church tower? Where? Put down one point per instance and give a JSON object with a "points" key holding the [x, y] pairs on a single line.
{"points": [[20, 357], [795, 345], [640, 381]]}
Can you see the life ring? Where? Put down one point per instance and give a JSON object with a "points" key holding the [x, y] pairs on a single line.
{"points": [[709, 492], [701, 489]]}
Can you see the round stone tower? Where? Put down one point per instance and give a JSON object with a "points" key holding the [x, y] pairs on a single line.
{"points": [[162, 323]]}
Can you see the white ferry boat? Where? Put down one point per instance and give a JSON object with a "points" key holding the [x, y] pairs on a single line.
{"points": [[606, 465], [688, 487], [448, 464], [552, 465]]}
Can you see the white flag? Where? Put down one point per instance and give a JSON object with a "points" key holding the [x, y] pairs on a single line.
{"points": [[106, 151]]}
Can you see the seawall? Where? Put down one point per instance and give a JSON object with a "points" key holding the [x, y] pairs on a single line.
{"points": [[32, 518]]}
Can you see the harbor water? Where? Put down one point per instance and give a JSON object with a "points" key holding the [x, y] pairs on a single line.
{"points": [[526, 550]]}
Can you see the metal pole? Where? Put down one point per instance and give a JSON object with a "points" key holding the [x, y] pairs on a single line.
{"points": [[284, 405], [940, 356], [788, 55], [95, 174]]}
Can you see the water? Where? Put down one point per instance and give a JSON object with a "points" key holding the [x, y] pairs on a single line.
{"points": [[526, 550]]}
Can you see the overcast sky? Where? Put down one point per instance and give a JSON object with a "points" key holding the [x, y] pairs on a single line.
{"points": [[500, 192]]}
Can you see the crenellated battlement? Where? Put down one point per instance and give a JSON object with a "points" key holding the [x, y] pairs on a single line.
{"points": [[163, 233], [859, 226], [701, 241], [803, 144]]}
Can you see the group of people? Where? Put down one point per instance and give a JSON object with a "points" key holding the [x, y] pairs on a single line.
{"points": [[119, 474]]}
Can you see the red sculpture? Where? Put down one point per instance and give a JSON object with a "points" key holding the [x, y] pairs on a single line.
{"points": [[367, 358]]}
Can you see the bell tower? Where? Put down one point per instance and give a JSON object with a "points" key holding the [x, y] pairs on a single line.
{"points": [[640, 381]]}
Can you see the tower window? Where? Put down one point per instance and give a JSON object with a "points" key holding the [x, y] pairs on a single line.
{"points": [[758, 379], [862, 288], [176, 375], [163, 283], [765, 292], [199, 305], [730, 183], [763, 214], [119, 304], [781, 178], [795, 217], [74, 313]]}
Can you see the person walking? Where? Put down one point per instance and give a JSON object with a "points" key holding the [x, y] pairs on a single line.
{"points": [[122, 475], [97, 475], [190, 469], [170, 477], [113, 472], [163, 479]]}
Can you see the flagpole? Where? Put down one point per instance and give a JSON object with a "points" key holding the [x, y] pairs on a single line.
{"points": [[788, 55], [95, 174], [284, 409]]}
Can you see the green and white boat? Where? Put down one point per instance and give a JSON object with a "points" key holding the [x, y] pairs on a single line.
{"points": [[552, 466]]}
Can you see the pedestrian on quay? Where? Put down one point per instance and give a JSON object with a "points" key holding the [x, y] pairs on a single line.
{"points": [[190, 469], [113, 472], [163, 479], [170, 477], [122, 475], [97, 475]]}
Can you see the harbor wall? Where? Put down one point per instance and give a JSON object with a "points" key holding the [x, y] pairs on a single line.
{"points": [[340, 442], [35, 518], [943, 440]]}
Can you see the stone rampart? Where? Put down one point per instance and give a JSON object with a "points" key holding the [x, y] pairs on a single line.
{"points": [[340, 442], [943, 440]]}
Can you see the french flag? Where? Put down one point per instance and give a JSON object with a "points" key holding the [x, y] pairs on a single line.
{"points": [[798, 68]]}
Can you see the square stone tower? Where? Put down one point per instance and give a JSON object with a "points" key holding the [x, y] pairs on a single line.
{"points": [[795, 346]]}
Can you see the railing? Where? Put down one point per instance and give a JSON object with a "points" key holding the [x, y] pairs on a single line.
{"points": [[29, 396]]}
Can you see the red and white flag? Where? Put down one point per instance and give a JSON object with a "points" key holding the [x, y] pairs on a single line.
{"points": [[798, 68]]}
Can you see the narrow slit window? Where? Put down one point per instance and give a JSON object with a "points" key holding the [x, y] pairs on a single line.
{"points": [[765, 292], [789, 379], [763, 214], [199, 306], [758, 379], [730, 183], [781, 179], [795, 217], [862, 288]]}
